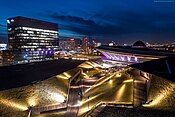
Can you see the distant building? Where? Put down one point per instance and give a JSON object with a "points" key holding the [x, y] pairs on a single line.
{"points": [[4, 55], [98, 44], [72, 43], [165, 47], [7, 57], [139, 44], [112, 43], [63, 44], [69, 44], [85, 45], [136, 53], [34, 39]]}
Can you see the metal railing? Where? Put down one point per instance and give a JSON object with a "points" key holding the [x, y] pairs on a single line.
{"points": [[41, 109], [104, 104]]}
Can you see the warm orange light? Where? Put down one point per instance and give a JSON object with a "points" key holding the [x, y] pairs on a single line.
{"points": [[159, 98], [56, 96], [121, 92], [32, 101], [118, 75], [127, 81], [13, 104]]}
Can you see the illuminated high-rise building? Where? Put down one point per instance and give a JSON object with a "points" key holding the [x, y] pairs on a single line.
{"points": [[85, 45], [34, 39], [72, 43]]}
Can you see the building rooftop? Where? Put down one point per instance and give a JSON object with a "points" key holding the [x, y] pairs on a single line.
{"points": [[141, 51], [110, 111], [24, 74], [139, 44], [164, 67], [32, 23]]}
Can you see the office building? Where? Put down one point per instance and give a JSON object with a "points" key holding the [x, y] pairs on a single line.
{"points": [[34, 39]]}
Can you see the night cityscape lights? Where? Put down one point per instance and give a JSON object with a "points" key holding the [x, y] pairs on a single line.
{"points": [[87, 58]]}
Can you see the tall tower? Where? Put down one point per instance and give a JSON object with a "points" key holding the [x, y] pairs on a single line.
{"points": [[85, 45]]}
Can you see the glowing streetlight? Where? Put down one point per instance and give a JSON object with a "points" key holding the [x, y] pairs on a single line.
{"points": [[118, 75]]}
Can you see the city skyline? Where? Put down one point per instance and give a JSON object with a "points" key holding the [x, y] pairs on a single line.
{"points": [[87, 58], [121, 21]]}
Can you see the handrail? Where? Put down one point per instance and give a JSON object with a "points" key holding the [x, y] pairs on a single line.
{"points": [[106, 104], [38, 110], [93, 108], [75, 75]]}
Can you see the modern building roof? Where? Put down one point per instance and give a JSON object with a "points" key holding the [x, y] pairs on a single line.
{"points": [[112, 111], [32, 23], [25, 74], [139, 44], [164, 67], [136, 51]]}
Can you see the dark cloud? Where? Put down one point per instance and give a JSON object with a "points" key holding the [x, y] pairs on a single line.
{"points": [[70, 18], [112, 19], [119, 24], [85, 26]]}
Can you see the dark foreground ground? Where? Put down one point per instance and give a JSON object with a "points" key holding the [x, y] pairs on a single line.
{"points": [[25, 74], [127, 112]]}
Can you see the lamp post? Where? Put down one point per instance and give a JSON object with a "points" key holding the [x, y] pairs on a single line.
{"points": [[133, 91], [88, 103], [30, 111]]}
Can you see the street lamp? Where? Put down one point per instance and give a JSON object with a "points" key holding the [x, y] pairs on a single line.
{"points": [[30, 111], [88, 103]]}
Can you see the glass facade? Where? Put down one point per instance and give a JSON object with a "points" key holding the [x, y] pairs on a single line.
{"points": [[34, 39]]}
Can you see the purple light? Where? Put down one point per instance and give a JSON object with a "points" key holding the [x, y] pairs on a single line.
{"points": [[117, 58], [136, 59], [104, 54], [129, 58], [123, 58], [46, 52], [112, 57], [107, 56]]}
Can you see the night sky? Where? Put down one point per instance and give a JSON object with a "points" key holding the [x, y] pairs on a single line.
{"points": [[123, 21]]}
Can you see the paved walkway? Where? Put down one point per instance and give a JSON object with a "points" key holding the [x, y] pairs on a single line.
{"points": [[74, 98]]}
